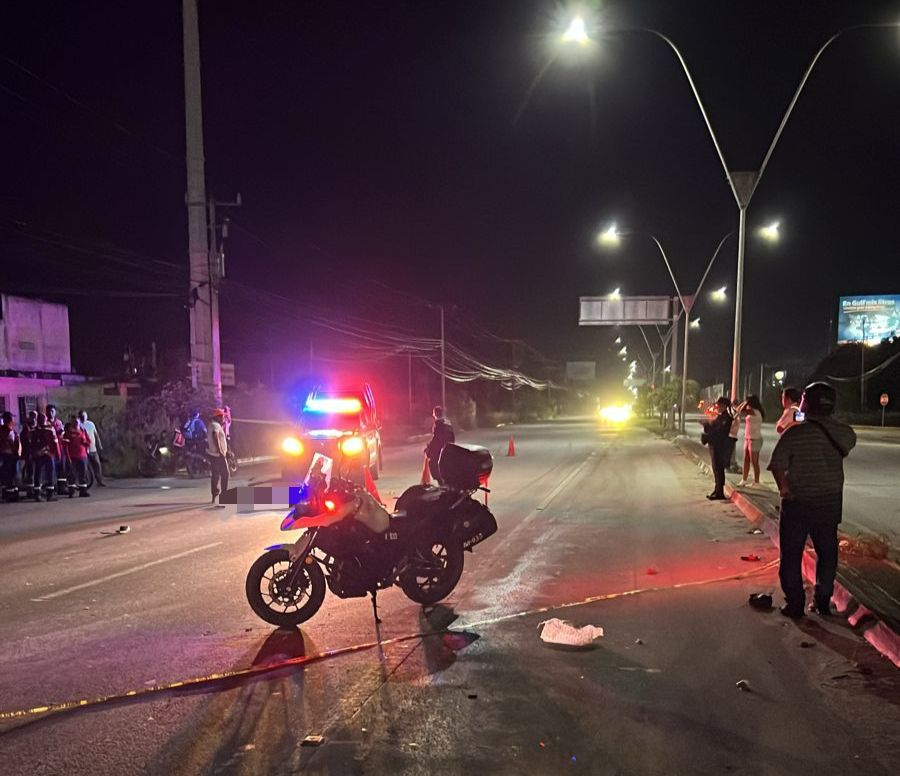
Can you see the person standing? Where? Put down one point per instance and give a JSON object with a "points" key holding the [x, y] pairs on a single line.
{"points": [[790, 401], [61, 464], [29, 430], [717, 435], [77, 443], [441, 436], [10, 452], [753, 414], [808, 466], [94, 450], [217, 452], [44, 451]]}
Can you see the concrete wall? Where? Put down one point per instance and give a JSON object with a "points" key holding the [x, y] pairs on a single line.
{"points": [[34, 336], [32, 390]]}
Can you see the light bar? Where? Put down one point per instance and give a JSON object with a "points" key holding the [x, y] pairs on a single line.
{"points": [[347, 406]]}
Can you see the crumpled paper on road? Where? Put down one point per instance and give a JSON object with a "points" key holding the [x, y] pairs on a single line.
{"points": [[557, 631]]}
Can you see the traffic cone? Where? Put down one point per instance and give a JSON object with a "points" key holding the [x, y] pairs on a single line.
{"points": [[426, 473], [370, 486], [511, 450]]}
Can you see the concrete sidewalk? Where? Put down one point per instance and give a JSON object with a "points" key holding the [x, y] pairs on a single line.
{"points": [[867, 589]]}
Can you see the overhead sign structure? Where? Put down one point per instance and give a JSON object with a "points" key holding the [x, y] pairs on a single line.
{"points": [[868, 319], [625, 311], [581, 370]]}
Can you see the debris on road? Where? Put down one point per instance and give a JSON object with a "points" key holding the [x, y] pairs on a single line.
{"points": [[652, 571], [743, 685], [751, 557], [122, 529], [313, 741], [762, 601], [755, 531], [638, 641], [807, 644], [558, 631]]}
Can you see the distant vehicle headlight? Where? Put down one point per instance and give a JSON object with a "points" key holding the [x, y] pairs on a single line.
{"points": [[292, 446]]}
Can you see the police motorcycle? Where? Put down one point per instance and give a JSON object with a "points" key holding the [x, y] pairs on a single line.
{"points": [[351, 545]]}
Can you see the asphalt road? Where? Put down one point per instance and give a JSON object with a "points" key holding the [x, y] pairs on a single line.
{"points": [[582, 512], [871, 482]]}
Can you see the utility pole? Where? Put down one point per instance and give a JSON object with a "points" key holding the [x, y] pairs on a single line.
{"points": [[862, 367], [203, 299], [443, 363]]}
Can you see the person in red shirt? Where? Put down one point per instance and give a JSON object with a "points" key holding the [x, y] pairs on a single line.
{"points": [[77, 442], [44, 450], [62, 464]]}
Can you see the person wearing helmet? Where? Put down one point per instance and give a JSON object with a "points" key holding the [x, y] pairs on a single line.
{"points": [[216, 451], [808, 466]]}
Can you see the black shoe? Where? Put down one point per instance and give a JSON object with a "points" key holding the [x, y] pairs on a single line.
{"points": [[791, 611], [823, 609], [84, 494], [716, 497]]}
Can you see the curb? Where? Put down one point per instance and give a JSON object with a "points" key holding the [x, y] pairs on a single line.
{"points": [[881, 636]]}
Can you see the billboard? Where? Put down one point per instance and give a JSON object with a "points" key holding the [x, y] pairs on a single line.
{"points": [[625, 310], [581, 370], [868, 319]]}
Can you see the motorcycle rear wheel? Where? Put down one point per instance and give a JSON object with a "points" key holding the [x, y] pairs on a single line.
{"points": [[434, 570], [147, 466], [272, 601]]}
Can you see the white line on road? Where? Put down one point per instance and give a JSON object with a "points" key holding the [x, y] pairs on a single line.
{"points": [[108, 577], [559, 488]]}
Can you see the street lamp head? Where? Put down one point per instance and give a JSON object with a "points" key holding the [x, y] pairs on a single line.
{"points": [[623, 351], [609, 237], [695, 324], [770, 232], [576, 32], [618, 340], [616, 293], [719, 295], [667, 369]]}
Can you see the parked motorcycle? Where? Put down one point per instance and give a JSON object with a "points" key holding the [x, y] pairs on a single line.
{"points": [[354, 547], [167, 452]]}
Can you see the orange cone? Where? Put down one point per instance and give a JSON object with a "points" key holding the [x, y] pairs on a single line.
{"points": [[511, 450], [370, 486], [426, 473]]}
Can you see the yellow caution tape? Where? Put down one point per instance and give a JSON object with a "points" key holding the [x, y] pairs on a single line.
{"points": [[305, 659]]}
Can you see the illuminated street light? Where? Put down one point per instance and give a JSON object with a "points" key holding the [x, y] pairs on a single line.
{"points": [[719, 294], [770, 232], [609, 237], [576, 32], [623, 351], [616, 293], [618, 340], [779, 375], [695, 324], [667, 369]]}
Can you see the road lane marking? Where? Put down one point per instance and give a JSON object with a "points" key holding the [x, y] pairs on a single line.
{"points": [[126, 572], [302, 660], [561, 486]]}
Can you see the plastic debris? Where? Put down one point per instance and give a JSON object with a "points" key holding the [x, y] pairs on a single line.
{"points": [[751, 557], [638, 641], [123, 529], [755, 531], [313, 741], [557, 631], [743, 685], [761, 601], [807, 644], [472, 696], [652, 571]]}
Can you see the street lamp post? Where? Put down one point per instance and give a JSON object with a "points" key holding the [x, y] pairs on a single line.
{"points": [[743, 184]]}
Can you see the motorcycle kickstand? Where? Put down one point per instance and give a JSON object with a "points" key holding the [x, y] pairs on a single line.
{"points": [[375, 607]]}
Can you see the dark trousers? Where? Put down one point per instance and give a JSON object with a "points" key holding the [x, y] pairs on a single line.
{"points": [[45, 474], [9, 471], [78, 472], [218, 474], [798, 521], [435, 470], [94, 459], [719, 456]]}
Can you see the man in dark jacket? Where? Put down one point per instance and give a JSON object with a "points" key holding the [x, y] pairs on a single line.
{"points": [[441, 435], [808, 465], [716, 434]]}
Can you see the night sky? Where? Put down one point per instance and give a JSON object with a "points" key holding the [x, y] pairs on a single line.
{"points": [[387, 142]]}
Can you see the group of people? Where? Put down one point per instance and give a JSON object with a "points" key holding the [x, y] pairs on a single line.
{"points": [[808, 466], [46, 457]]}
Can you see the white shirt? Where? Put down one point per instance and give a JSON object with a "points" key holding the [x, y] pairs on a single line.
{"points": [[787, 419], [215, 440], [752, 424], [92, 433]]}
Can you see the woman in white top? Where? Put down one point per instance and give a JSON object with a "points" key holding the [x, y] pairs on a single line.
{"points": [[752, 411]]}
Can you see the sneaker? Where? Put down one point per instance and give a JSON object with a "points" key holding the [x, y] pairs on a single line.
{"points": [[791, 611], [742, 484]]}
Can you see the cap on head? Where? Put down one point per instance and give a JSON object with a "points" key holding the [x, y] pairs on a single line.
{"points": [[818, 399], [218, 412]]}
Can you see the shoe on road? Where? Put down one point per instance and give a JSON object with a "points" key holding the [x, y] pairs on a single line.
{"points": [[742, 484], [793, 612], [717, 497]]}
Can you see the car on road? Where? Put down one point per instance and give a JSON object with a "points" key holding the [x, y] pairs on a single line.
{"points": [[341, 423]]}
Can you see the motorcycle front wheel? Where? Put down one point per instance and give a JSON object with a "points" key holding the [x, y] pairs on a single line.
{"points": [[434, 569], [271, 595]]}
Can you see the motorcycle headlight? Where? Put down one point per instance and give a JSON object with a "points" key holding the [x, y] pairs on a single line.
{"points": [[163, 450], [292, 446]]}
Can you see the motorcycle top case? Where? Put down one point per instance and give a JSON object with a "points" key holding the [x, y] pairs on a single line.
{"points": [[465, 467]]}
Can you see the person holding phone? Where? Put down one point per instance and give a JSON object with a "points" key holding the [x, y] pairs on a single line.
{"points": [[752, 412], [808, 466], [716, 434], [790, 401]]}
